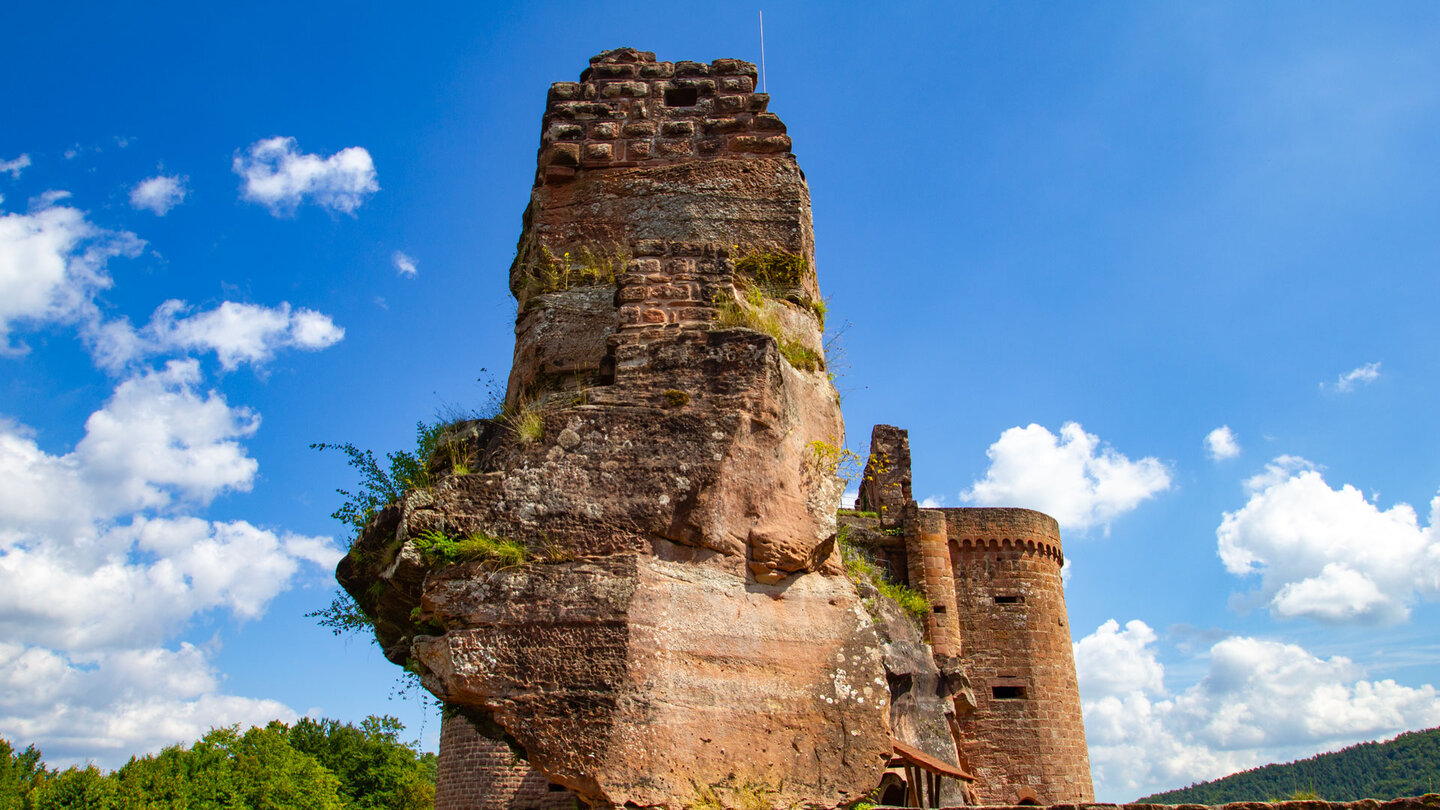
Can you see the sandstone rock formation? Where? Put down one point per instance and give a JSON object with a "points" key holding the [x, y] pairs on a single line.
{"points": [[632, 584], [681, 622]]}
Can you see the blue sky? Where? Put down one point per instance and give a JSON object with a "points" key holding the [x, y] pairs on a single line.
{"points": [[1070, 243]]}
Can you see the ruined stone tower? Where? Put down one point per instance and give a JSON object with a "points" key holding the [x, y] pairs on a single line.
{"points": [[997, 617], [1026, 737], [680, 624], [628, 587]]}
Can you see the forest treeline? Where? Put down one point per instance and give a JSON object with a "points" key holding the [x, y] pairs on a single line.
{"points": [[313, 764], [1408, 765]]}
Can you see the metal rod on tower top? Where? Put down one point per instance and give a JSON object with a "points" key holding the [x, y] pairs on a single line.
{"points": [[762, 51]]}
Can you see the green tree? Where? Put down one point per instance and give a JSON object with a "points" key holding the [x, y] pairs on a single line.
{"points": [[313, 765], [202, 776], [19, 772], [1405, 766], [271, 775], [75, 789], [376, 769]]}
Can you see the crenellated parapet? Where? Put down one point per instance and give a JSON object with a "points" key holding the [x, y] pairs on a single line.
{"points": [[1008, 528]]}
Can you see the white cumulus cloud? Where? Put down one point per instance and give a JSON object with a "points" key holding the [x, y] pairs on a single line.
{"points": [[1118, 662], [52, 263], [404, 264], [159, 194], [278, 176], [1073, 477], [101, 562], [1222, 443], [156, 442], [103, 707], [237, 333], [14, 167], [86, 562], [1329, 554], [1260, 701], [105, 552], [1364, 375]]}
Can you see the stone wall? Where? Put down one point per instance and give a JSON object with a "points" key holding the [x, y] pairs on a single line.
{"points": [[682, 620], [1429, 801], [1026, 737], [478, 773], [629, 110], [885, 484]]}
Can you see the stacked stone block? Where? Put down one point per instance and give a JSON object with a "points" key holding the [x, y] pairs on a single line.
{"points": [[683, 599], [670, 285], [629, 110], [927, 548], [1026, 737], [885, 484], [478, 773]]}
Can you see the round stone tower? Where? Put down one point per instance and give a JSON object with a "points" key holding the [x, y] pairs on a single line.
{"points": [[1026, 738]]}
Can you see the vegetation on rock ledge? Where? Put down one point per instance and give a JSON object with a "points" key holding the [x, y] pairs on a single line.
{"points": [[750, 312], [439, 548], [382, 487], [547, 273], [860, 566]]}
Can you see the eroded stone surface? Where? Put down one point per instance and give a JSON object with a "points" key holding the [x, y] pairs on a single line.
{"points": [[683, 620], [655, 675]]}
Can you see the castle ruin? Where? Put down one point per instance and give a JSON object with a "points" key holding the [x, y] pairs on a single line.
{"points": [[675, 624]]}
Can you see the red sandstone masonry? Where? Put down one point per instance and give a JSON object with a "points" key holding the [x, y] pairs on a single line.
{"points": [[1027, 732], [629, 110], [478, 773], [927, 552]]}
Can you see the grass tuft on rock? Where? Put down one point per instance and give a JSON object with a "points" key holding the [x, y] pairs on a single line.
{"points": [[439, 548], [750, 312], [860, 566]]}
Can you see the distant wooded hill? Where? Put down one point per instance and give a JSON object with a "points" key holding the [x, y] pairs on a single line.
{"points": [[1408, 765]]}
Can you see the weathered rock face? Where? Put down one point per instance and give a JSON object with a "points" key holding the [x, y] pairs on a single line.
{"points": [[885, 484], [922, 711], [652, 677], [682, 621]]}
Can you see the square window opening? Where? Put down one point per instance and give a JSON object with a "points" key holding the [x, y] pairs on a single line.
{"points": [[1007, 692], [682, 96]]}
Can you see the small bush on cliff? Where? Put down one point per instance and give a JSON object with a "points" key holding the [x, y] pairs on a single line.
{"points": [[525, 418], [780, 276], [801, 356], [754, 796], [746, 795], [530, 427], [705, 797], [585, 266], [777, 272], [439, 548], [380, 487], [829, 458]]}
